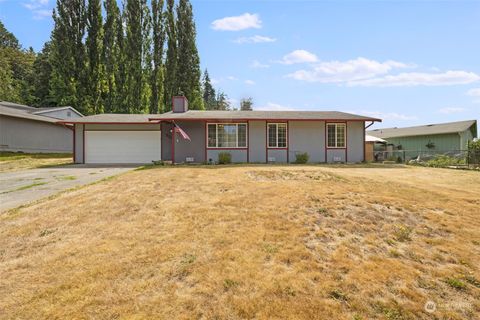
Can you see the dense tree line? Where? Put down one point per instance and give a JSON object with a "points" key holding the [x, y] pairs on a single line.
{"points": [[128, 60]]}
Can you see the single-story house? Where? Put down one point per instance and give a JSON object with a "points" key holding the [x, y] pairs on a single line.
{"points": [[441, 137], [184, 135], [29, 129]]}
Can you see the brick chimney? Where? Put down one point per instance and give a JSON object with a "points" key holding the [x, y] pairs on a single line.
{"points": [[179, 104]]}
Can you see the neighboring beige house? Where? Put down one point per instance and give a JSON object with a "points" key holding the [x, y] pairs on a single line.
{"points": [[28, 129]]}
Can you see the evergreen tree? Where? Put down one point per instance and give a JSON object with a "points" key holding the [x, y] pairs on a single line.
{"points": [[157, 100], [42, 71], [121, 67], [111, 55], [94, 44], [188, 62], [222, 101], [137, 55], [170, 87], [246, 104], [209, 97], [68, 82], [8, 39]]}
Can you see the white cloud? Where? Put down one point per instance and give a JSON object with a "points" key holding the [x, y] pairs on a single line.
{"points": [[39, 8], [299, 56], [475, 92], [254, 39], [385, 115], [420, 79], [274, 107], [450, 110], [237, 23], [258, 65], [345, 71], [250, 82], [232, 78]]}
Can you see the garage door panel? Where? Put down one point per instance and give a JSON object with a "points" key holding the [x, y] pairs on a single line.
{"points": [[122, 146]]}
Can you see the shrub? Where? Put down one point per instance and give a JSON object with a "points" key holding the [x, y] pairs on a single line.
{"points": [[224, 158], [403, 233], [444, 161], [301, 157], [456, 283]]}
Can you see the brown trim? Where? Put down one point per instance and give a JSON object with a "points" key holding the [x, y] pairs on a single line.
{"points": [[206, 141], [103, 122], [257, 119], [266, 141], [226, 148], [74, 138], [288, 140], [83, 144], [248, 142]]}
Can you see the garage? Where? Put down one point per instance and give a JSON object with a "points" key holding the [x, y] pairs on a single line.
{"points": [[122, 146]]}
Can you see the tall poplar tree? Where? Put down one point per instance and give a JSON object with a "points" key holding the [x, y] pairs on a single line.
{"points": [[68, 82], [157, 101], [170, 87], [94, 44], [111, 55], [188, 62], [137, 55]]}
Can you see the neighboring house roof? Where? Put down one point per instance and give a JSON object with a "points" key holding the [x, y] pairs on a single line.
{"points": [[26, 112], [222, 115], [369, 138], [49, 110], [430, 129]]}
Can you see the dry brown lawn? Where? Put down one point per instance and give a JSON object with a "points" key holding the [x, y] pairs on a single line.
{"points": [[243, 242], [12, 161]]}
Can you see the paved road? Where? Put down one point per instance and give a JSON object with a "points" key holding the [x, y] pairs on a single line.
{"points": [[21, 187]]}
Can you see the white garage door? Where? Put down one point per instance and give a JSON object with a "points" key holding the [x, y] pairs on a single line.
{"points": [[122, 146]]}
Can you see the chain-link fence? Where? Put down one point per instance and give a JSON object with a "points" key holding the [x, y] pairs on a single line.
{"points": [[431, 158]]}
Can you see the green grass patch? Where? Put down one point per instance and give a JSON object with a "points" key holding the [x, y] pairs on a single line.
{"points": [[28, 186], [66, 178]]}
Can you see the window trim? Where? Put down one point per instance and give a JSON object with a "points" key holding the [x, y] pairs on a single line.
{"points": [[216, 136], [343, 124], [276, 134]]}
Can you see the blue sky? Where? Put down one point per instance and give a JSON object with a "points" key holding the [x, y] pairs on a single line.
{"points": [[407, 62]]}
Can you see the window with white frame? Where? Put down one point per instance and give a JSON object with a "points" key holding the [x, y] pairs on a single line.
{"points": [[227, 135], [336, 135], [277, 135]]}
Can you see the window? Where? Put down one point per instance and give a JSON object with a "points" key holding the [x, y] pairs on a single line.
{"points": [[336, 135], [277, 135], [227, 135]]}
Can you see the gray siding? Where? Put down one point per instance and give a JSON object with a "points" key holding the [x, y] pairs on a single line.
{"points": [[256, 141], [355, 141], [61, 114], [79, 143], [166, 144], [332, 154], [280, 155], [17, 134], [194, 148], [307, 136], [238, 156]]}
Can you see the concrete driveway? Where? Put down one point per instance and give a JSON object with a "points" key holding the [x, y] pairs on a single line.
{"points": [[21, 187]]}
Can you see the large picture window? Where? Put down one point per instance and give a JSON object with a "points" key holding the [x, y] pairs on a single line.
{"points": [[277, 135], [227, 135], [336, 135]]}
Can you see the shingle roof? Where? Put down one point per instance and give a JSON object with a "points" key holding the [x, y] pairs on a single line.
{"points": [[113, 118], [439, 128], [222, 115], [21, 112]]}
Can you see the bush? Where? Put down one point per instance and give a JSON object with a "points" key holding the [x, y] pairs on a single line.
{"points": [[224, 158], [301, 157], [444, 161]]}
